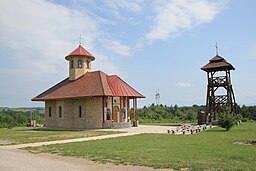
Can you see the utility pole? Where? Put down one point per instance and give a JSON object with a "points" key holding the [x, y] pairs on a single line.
{"points": [[157, 97]]}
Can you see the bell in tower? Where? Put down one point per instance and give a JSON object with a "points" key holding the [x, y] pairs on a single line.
{"points": [[219, 88], [79, 62]]}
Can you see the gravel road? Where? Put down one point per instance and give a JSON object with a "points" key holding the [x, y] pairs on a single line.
{"points": [[14, 159]]}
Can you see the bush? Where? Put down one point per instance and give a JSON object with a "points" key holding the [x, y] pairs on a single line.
{"points": [[226, 119]]}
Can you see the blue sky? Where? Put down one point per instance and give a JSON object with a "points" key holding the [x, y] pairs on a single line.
{"points": [[150, 44]]}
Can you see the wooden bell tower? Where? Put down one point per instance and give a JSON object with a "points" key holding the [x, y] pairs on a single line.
{"points": [[219, 88]]}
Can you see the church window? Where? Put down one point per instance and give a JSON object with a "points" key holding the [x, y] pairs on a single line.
{"points": [[72, 64], [87, 64], [60, 112], [50, 111], [80, 111], [108, 113], [79, 63]]}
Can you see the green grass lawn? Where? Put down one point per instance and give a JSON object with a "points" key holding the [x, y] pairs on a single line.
{"points": [[20, 135], [213, 149]]}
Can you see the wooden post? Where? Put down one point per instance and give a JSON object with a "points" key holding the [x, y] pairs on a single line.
{"points": [[213, 106], [134, 110], [103, 104], [120, 110], [103, 112], [112, 116], [128, 108], [135, 123]]}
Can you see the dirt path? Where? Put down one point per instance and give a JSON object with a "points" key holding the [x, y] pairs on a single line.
{"points": [[14, 159], [19, 160]]}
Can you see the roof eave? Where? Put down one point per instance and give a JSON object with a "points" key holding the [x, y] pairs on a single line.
{"points": [[218, 69], [92, 58], [61, 98]]}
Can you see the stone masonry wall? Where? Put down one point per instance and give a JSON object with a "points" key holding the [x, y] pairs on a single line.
{"points": [[50, 122], [91, 116], [94, 112], [76, 72], [66, 120], [79, 122]]}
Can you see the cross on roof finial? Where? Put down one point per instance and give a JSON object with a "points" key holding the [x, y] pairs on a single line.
{"points": [[80, 39], [216, 46]]}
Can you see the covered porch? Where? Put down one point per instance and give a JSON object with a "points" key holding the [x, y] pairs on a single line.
{"points": [[117, 112]]}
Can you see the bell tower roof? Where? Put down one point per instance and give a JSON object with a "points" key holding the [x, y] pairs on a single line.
{"points": [[80, 51], [217, 63]]}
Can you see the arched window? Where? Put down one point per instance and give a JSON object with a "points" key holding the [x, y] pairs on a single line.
{"points": [[108, 113], [72, 64], [87, 64], [79, 63]]}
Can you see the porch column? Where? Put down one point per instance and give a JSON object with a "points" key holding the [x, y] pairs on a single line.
{"points": [[128, 109], [135, 123]]}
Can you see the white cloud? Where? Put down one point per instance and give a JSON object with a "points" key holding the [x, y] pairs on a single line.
{"points": [[41, 33], [183, 85], [38, 32], [173, 17], [35, 36], [116, 7], [139, 45], [131, 5], [118, 47], [103, 63]]}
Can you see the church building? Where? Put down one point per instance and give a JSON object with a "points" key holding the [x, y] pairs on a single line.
{"points": [[89, 99]]}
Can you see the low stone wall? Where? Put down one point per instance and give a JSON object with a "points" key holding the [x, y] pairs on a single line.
{"points": [[117, 125]]}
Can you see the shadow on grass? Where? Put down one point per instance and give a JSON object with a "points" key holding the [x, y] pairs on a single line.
{"points": [[62, 130], [46, 129], [216, 130]]}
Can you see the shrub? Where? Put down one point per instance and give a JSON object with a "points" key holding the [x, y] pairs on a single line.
{"points": [[226, 119]]}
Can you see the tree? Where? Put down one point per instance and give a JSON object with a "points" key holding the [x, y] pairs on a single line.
{"points": [[226, 119]]}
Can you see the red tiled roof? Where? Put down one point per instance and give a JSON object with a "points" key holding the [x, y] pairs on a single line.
{"points": [[80, 51], [121, 88], [91, 84], [217, 63]]}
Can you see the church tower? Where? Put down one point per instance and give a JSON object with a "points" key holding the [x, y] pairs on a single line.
{"points": [[79, 62]]}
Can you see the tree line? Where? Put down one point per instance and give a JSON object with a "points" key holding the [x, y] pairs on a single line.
{"points": [[10, 118], [152, 113], [164, 113]]}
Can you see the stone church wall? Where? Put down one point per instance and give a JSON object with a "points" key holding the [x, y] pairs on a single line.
{"points": [[91, 113], [94, 112], [50, 122]]}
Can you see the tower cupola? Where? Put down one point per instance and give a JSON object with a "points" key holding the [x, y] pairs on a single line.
{"points": [[79, 62]]}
